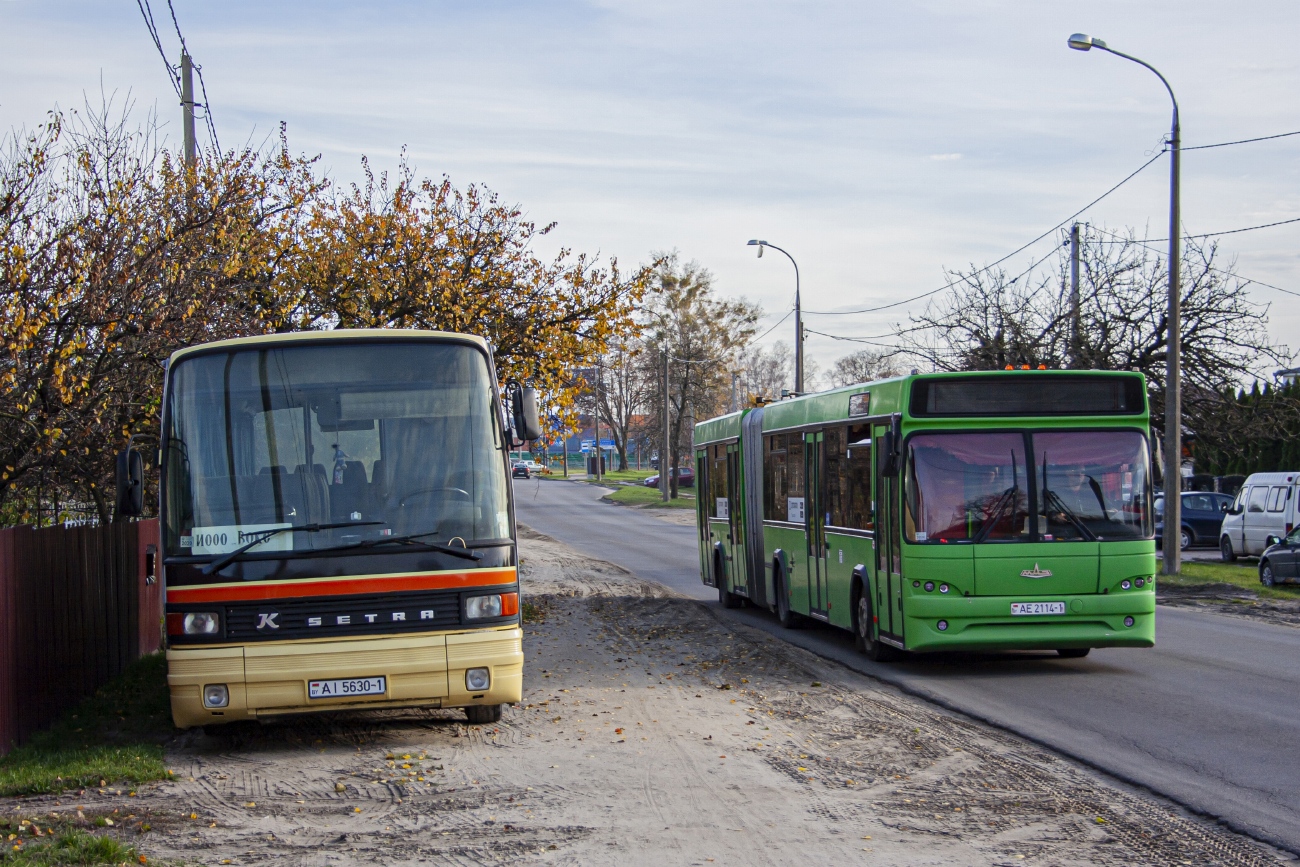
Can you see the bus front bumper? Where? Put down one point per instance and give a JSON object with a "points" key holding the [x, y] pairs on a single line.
{"points": [[986, 622], [269, 679]]}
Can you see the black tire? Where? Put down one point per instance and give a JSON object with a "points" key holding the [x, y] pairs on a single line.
{"points": [[876, 650], [1266, 576], [725, 596], [1073, 652], [482, 714], [787, 618], [1186, 539], [1225, 550]]}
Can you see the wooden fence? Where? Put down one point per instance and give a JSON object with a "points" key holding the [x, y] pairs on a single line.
{"points": [[77, 605]]}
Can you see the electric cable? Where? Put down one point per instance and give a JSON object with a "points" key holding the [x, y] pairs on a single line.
{"points": [[992, 264], [1224, 144]]}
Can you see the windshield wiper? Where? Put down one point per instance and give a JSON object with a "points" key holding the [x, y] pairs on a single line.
{"points": [[222, 562], [1008, 496], [411, 538], [1052, 501]]}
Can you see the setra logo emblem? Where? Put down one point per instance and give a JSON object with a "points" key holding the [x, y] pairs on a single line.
{"points": [[1028, 573], [266, 620]]}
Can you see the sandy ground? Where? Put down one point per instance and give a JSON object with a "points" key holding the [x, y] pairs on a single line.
{"points": [[651, 733]]}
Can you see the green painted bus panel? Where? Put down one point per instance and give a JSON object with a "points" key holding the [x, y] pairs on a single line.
{"points": [[723, 427], [791, 542], [846, 554], [1036, 568], [986, 623], [957, 572], [1120, 567]]}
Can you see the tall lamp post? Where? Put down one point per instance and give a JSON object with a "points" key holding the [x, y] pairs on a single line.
{"points": [[798, 318], [1173, 384]]}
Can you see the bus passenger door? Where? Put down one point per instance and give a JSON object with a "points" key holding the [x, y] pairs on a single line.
{"points": [[888, 607], [736, 566], [702, 513], [815, 525]]}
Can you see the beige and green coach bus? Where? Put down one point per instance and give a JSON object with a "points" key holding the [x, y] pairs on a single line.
{"points": [[337, 526], [954, 511]]}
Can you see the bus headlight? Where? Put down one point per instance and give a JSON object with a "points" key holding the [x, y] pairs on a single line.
{"points": [[1126, 584], [477, 679], [496, 605], [201, 623], [216, 695], [1128, 621], [478, 607]]}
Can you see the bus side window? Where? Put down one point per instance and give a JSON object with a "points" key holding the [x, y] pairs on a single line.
{"points": [[774, 478], [857, 481]]}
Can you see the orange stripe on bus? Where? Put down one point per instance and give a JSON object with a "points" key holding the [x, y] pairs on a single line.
{"points": [[342, 586]]}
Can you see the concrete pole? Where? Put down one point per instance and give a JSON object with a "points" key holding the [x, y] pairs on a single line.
{"points": [[1075, 361], [600, 453], [663, 451], [187, 107], [1173, 371]]}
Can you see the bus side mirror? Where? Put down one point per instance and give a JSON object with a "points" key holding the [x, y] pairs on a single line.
{"points": [[130, 483], [523, 406]]}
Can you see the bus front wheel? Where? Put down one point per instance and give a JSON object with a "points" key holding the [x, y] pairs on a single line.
{"points": [[875, 649]]}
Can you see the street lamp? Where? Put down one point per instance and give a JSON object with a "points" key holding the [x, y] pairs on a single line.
{"points": [[798, 318], [1173, 385]]}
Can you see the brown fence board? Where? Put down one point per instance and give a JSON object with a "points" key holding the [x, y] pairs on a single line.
{"points": [[75, 609]]}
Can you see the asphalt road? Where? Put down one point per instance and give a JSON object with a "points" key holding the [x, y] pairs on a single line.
{"points": [[1209, 718]]}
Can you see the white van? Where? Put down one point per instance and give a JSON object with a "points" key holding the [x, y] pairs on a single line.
{"points": [[1266, 506]]}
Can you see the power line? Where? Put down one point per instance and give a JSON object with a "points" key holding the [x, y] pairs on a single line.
{"points": [[207, 108], [872, 338], [774, 327], [1224, 144], [1231, 231], [993, 264], [147, 12], [1247, 280]]}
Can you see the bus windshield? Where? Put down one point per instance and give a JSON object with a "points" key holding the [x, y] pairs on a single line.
{"points": [[386, 438], [1044, 486]]}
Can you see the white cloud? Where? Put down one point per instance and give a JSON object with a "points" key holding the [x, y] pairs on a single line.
{"points": [[945, 157]]}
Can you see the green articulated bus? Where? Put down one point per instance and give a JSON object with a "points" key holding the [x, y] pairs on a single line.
{"points": [[1008, 510]]}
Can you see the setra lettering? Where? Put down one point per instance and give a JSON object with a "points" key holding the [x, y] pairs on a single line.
{"points": [[343, 619], [370, 618], [313, 621], [426, 615], [399, 615]]}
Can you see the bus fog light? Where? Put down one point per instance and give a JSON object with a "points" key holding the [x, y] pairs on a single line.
{"points": [[1128, 621], [478, 607], [1126, 584], [202, 623], [477, 679], [1141, 582], [929, 586], [216, 695], [943, 588], [942, 625]]}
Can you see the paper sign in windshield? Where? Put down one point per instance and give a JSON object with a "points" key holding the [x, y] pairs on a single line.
{"points": [[223, 540]]}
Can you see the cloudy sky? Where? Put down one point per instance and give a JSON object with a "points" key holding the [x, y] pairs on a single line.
{"points": [[879, 143]]}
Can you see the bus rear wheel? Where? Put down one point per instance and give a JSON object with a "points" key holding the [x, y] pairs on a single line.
{"points": [[876, 650], [1073, 652], [787, 618], [481, 714], [725, 596]]}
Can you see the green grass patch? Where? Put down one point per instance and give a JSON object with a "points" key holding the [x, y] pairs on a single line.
{"points": [[616, 476], [643, 496], [115, 736], [65, 847], [1244, 574], [531, 613]]}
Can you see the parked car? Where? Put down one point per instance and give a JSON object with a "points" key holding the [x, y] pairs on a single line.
{"points": [[520, 471], [1280, 562], [685, 478], [1202, 513], [1265, 506], [536, 468]]}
